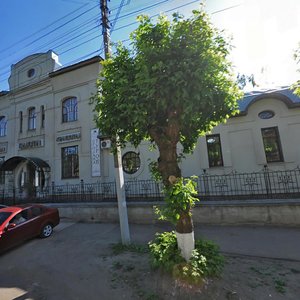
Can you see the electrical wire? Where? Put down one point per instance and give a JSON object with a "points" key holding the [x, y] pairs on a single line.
{"points": [[60, 42], [40, 30]]}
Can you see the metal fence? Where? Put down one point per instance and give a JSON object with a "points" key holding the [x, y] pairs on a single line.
{"points": [[265, 184]]}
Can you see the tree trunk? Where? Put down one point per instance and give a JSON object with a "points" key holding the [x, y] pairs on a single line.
{"points": [[185, 223], [167, 139], [185, 234]]}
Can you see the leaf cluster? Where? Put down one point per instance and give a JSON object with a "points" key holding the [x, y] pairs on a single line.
{"points": [[164, 252], [174, 69], [179, 198], [206, 260], [296, 86]]}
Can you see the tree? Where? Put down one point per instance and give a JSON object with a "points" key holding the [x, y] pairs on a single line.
{"points": [[173, 85], [243, 80], [296, 85]]}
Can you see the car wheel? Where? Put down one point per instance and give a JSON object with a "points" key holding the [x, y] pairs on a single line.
{"points": [[46, 231]]}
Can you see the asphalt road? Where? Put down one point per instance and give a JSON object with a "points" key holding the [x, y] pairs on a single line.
{"points": [[69, 264], [66, 266]]}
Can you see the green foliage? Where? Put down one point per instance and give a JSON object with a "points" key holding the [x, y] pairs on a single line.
{"points": [[211, 251], [243, 79], [296, 85], [179, 198], [153, 168], [193, 271], [176, 72], [275, 272], [280, 286], [205, 261], [296, 88], [164, 252]]}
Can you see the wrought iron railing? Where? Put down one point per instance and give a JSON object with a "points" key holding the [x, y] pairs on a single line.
{"points": [[265, 184]]}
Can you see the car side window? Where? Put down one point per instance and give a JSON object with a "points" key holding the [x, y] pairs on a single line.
{"points": [[36, 211], [4, 216], [18, 219]]}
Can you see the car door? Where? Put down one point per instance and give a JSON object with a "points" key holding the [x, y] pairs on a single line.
{"points": [[36, 219], [15, 232]]}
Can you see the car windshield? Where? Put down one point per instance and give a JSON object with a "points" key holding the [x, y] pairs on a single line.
{"points": [[3, 216]]}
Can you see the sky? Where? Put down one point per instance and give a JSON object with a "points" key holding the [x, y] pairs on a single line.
{"points": [[265, 33]]}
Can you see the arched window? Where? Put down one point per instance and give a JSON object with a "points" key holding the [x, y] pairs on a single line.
{"points": [[69, 110], [3, 125]]}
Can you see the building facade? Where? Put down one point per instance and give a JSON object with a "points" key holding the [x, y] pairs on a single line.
{"points": [[48, 134], [47, 130]]}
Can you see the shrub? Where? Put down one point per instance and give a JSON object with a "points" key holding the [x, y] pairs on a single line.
{"points": [[206, 260], [164, 251], [214, 260]]}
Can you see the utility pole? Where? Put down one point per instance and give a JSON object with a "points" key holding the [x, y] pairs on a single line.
{"points": [[119, 176]]}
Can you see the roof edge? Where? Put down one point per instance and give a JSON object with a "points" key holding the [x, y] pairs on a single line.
{"points": [[76, 66]]}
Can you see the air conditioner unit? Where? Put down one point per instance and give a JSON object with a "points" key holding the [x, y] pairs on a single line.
{"points": [[105, 144]]}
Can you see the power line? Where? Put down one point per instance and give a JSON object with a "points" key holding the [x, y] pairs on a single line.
{"points": [[40, 30], [73, 36], [155, 15], [56, 39], [56, 28], [60, 26], [127, 25]]}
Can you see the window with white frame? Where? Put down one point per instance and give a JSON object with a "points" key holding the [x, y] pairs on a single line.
{"points": [[69, 110], [31, 118]]}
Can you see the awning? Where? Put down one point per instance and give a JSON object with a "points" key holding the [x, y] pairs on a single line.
{"points": [[11, 163]]}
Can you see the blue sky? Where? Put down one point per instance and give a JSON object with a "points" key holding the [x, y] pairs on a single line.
{"points": [[265, 32]]}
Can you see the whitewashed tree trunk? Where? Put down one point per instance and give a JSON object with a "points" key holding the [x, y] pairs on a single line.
{"points": [[186, 244]]}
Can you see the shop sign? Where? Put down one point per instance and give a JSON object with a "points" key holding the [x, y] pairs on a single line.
{"points": [[70, 137], [31, 144]]}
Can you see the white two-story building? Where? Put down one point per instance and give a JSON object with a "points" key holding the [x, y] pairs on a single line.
{"points": [[48, 135]]}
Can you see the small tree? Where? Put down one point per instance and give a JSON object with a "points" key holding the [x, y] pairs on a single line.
{"points": [[296, 85], [243, 80], [173, 85]]}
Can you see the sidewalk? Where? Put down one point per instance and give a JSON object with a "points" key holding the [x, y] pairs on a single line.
{"points": [[263, 241]]}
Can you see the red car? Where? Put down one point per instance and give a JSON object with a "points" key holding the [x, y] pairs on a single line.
{"points": [[23, 222]]}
